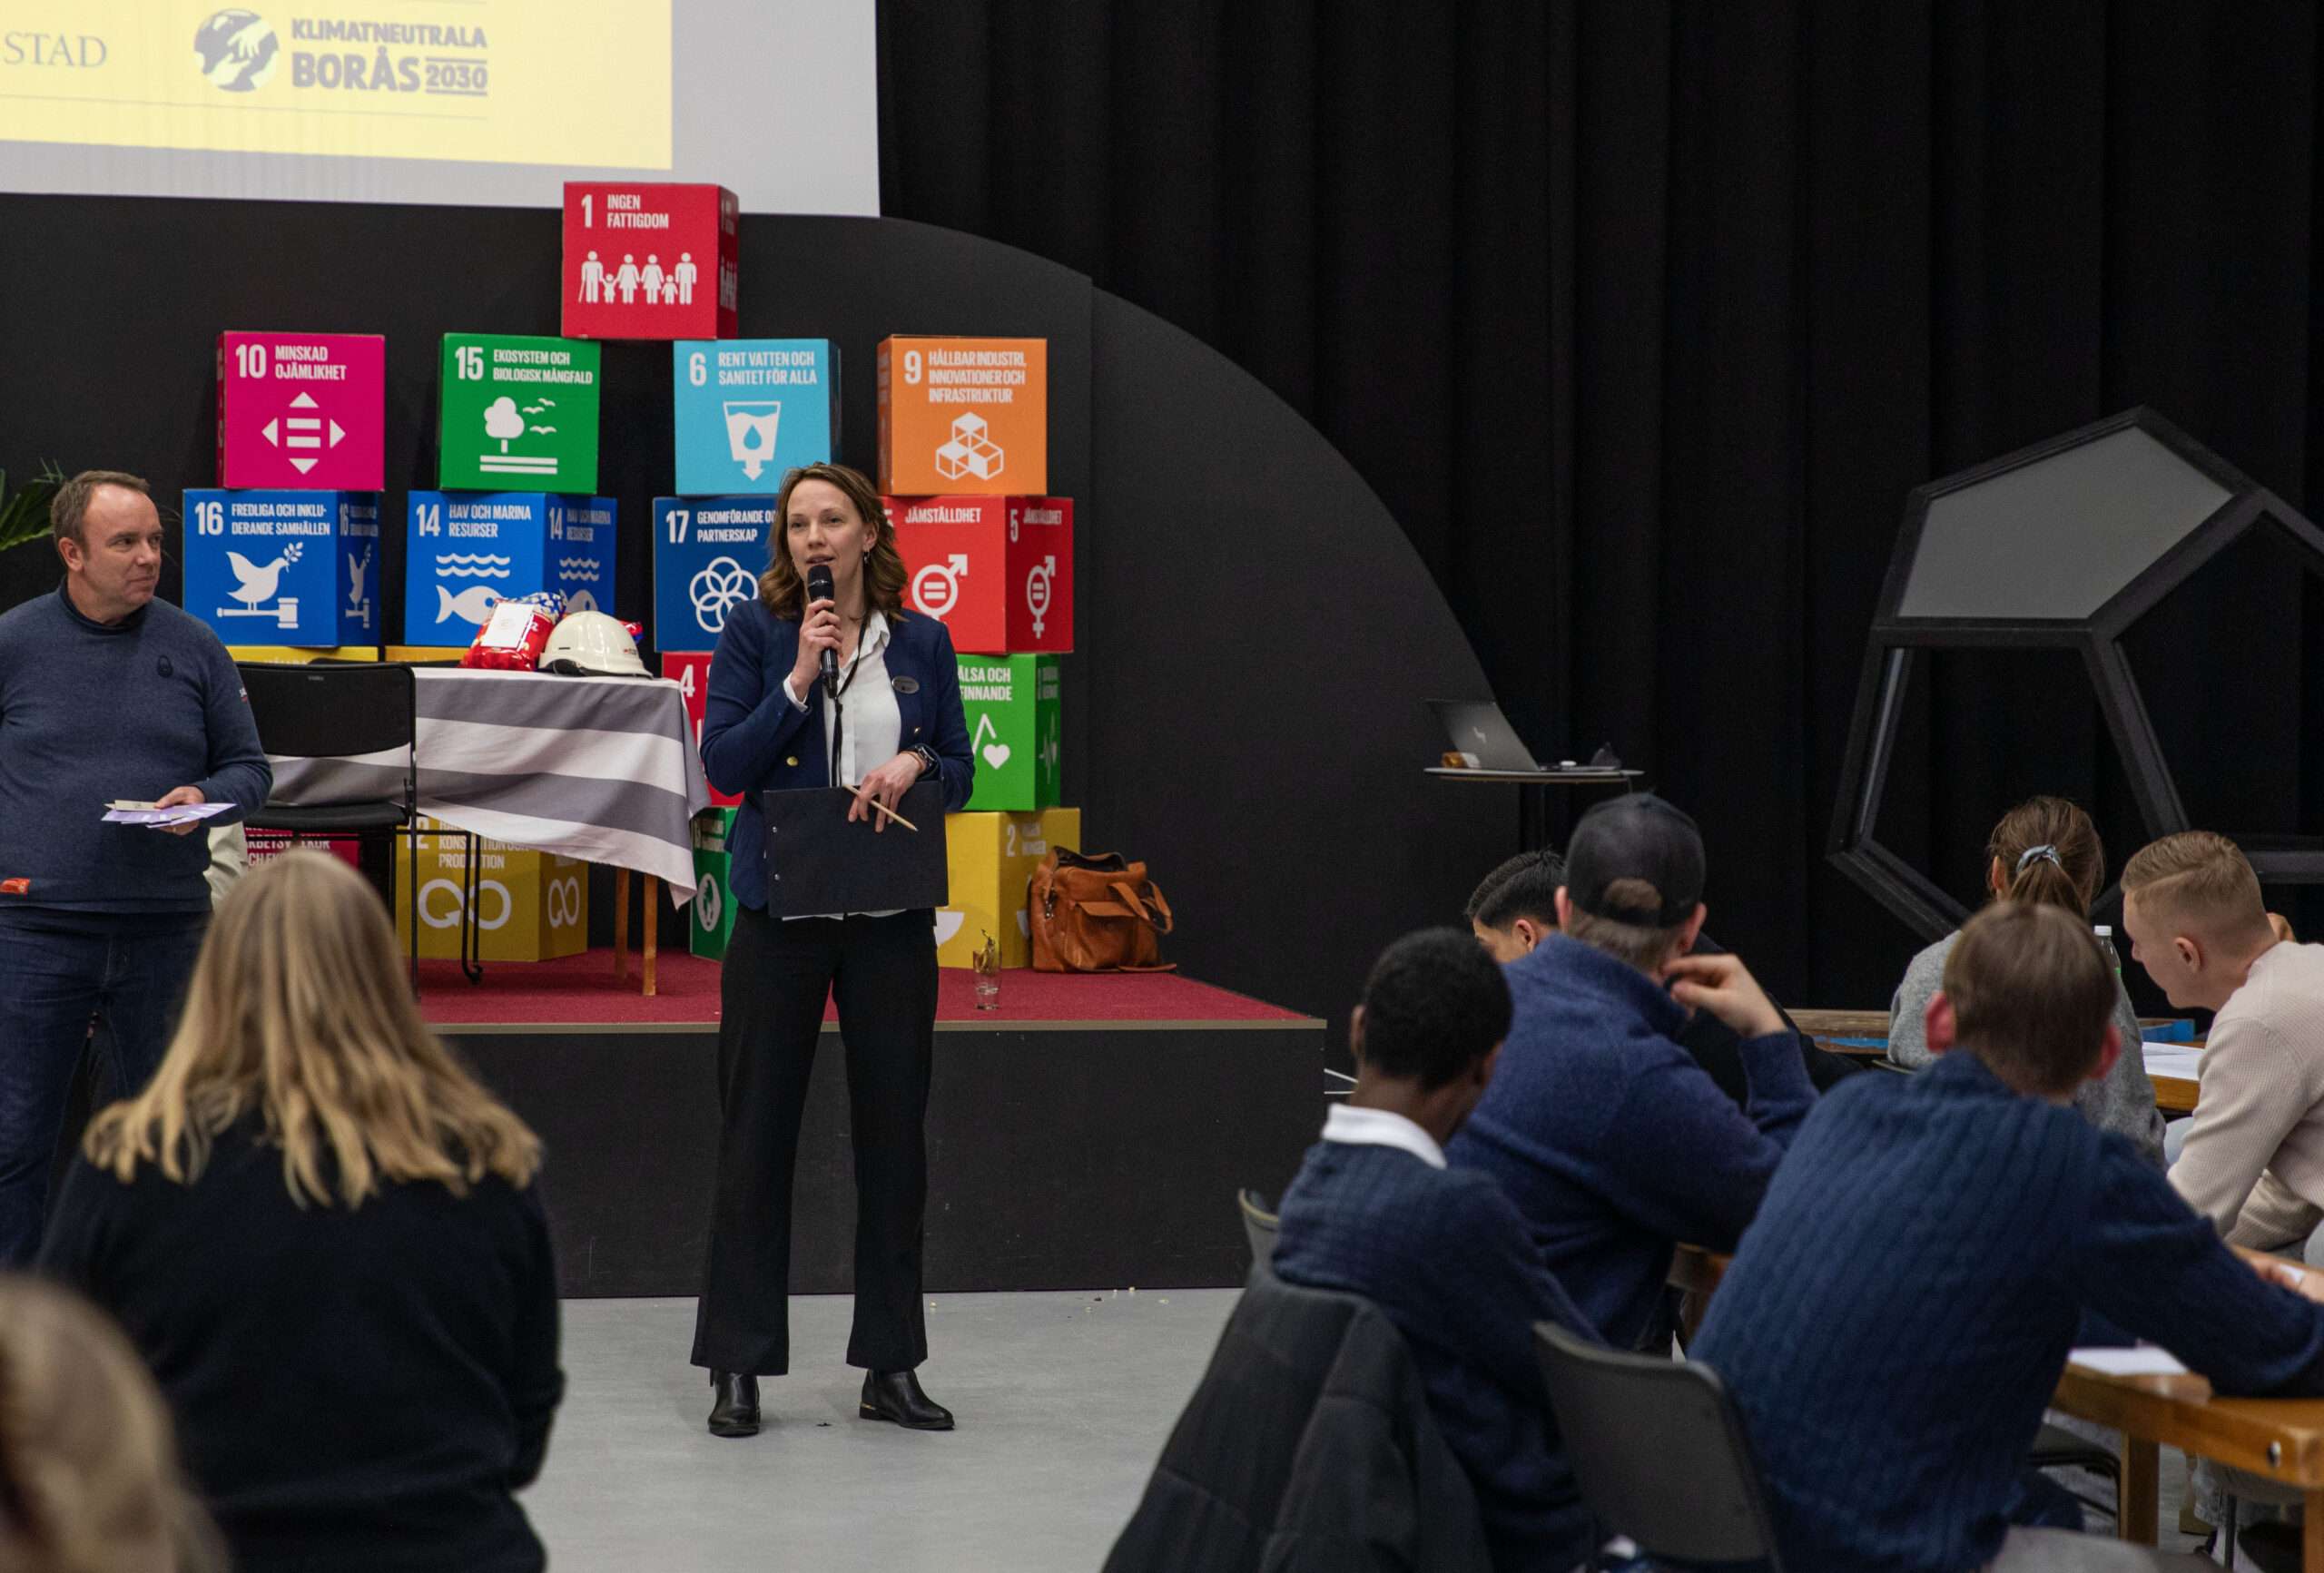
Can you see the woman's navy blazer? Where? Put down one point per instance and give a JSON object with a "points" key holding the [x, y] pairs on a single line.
{"points": [[755, 740]]}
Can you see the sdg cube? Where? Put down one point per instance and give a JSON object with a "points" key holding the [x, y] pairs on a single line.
{"points": [[996, 571], [464, 551], [690, 669], [518, 411], [1010, 703], [302, 410], [284, 567], [531, 905], [708, 554], [991, 859], [651, 261], [713, 907], [964, 415], [750, 409]]}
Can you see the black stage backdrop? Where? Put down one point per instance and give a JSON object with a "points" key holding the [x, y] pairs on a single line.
{"points": [[1642, 318]]}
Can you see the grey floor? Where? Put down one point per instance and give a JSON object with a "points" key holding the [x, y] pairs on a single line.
{"points": [[1063, 1400]]}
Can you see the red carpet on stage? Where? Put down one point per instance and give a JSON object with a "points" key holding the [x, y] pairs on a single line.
{"points": [[581, 988]]}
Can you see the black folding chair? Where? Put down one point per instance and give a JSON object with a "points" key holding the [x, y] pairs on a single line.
{"points": [[1258, 1227], [1659, 1452], [346, 711]]}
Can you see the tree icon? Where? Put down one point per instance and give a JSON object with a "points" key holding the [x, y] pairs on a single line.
{"points": [[501, 420]]}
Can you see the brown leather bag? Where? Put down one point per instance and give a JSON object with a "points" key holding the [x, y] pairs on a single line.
{"points": [[1095, 912]]}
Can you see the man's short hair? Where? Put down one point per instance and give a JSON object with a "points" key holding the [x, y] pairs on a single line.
{"points": [[68, 510], [1526, 886], [1434, 1005], [2031, 994], [2199, 882]]}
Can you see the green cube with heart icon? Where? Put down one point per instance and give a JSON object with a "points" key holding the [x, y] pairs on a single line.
{"points": [[711, 914], [1011, 705]]}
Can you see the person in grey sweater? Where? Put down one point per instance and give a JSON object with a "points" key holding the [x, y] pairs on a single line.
{"points": [[105, 693], [2044, 851]]}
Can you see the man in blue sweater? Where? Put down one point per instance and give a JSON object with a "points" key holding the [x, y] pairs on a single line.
{"points": [[1375, 1213], [105, 693], [1609, 1136], [1899, 1313]]}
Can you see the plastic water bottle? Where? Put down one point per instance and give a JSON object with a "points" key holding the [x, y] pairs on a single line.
{"points": [[2105, 932]]}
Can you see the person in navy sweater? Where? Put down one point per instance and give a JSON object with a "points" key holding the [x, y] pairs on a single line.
{"points": [[1374, 1212], [1900, 1312], [105, 693], [891, 715], [1611, 1139]]}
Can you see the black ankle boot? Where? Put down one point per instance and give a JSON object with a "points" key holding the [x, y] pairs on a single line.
{"points": [[895, 1395], [734, 1411]]}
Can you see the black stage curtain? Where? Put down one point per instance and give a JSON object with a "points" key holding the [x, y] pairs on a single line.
{"points": [[1643, 318]]}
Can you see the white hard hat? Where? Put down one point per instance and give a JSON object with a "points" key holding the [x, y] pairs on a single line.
{"points": [[592, 643]]}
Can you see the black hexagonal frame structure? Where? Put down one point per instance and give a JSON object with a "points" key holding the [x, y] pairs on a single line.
{"points": [[2125, 510]]}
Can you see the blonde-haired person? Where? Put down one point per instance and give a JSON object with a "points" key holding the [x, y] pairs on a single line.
{"points": [[323, 1236], [89, 1477], [2253, 1161], [2044, 852]]}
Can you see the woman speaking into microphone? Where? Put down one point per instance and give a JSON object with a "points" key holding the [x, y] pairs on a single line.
{"points": [[808, 691]]}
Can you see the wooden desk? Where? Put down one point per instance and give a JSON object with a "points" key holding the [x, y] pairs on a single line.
{"points": [[2174, 1095], [2281, 1438]]}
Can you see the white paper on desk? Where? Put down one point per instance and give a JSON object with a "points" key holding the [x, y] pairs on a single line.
{"points": [[2174, 1059], [2138, 1359]]}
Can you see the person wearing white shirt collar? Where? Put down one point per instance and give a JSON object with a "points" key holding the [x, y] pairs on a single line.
{"points": [[1374, 1212], [889, 715]]}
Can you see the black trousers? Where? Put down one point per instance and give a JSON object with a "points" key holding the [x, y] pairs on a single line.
{"points": [[882, 971]]}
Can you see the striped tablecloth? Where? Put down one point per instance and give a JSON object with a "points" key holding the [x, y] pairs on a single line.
{"points": [[603, 769]]}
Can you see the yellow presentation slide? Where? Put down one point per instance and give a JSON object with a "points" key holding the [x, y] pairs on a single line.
{"points": [[534, 82]]}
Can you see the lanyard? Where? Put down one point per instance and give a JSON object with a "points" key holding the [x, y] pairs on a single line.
{"points": [[839, 708]]}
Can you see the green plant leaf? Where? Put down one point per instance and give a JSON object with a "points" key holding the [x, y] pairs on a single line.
{"points": [[24, 514]]}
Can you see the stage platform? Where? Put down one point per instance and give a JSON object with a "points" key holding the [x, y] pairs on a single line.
{"points": [[1090, 1132]]}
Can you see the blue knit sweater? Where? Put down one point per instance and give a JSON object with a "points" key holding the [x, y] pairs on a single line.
{"points": [[1612, 1140], [1445, 1256], [91, 712], [1898, 1314]]}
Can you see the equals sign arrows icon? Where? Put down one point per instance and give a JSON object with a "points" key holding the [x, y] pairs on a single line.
{"points": [[304, 431]]}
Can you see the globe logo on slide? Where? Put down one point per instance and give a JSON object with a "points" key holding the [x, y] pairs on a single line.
{"points": [[238, 50]]}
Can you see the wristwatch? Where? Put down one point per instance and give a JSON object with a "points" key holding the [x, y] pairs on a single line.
{"points": [[927, 757]]}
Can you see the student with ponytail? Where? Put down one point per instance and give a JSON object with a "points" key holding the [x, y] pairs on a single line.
{"points": [[2044, 852]]}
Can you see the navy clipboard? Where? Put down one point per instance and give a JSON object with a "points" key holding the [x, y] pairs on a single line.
{"points": [[818, 864]]}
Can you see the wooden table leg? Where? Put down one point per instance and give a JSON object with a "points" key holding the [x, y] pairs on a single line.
{"points": [[2141, 1504], [621, 927], [2311, 1556], [653, 921]]}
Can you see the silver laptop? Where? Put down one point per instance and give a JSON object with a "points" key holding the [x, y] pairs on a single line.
{"points": [[1476, 726]]}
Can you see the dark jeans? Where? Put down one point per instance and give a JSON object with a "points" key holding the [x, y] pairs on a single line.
{"points": [[881, 972], [53, 984]]}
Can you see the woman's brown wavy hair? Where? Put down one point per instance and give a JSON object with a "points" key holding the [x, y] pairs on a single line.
{"points": [[884, 576]]}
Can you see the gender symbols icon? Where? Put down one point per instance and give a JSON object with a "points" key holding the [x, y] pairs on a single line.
{"points": [[936, 588]]}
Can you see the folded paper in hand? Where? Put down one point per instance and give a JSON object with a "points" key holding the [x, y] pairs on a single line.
{"points": [[120, 813]]}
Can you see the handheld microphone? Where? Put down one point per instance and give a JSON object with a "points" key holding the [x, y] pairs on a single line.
{"points": [[819, 588]]}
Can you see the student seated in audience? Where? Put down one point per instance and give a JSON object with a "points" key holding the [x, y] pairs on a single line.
{"points": [[1613, 1143], [89, 1478], [1515, 908], [2253, 1162], [323, 1236], [2044, 849], [1374, 1212], [1899, 1313]]}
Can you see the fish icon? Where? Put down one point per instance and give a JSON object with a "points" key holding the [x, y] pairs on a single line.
{"points": [[474, 603]]}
